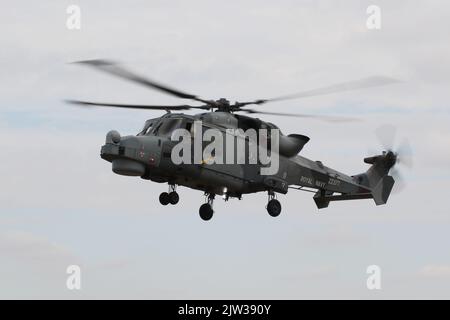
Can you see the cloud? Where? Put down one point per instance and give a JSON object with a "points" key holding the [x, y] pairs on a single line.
{"points": [[26, 246], [337, 235], [435, 271]]}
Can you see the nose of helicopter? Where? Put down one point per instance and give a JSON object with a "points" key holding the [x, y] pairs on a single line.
{"points": [[129, 155], [113, 136]]}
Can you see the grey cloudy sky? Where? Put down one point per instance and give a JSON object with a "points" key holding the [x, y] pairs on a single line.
{"points": [[60, 203]]}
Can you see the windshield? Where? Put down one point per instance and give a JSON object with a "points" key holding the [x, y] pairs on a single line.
{"points": [[148, 126], [166, 127]]}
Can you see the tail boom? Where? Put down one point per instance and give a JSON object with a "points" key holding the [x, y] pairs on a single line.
{"points": [[374, 184]]}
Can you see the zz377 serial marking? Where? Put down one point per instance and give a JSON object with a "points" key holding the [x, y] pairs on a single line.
{"points": [[334, 182]]}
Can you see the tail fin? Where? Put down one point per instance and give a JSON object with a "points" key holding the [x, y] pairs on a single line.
{"points": [[377, 178], [382, 190]]}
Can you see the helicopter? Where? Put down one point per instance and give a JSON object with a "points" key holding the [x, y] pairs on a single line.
{"points": [[149, 153]]}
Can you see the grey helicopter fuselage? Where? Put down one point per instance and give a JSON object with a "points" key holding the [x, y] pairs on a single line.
{"points": [[148, 155], [272, 161]]}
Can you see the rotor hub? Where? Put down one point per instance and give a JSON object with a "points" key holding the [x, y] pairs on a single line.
{"points": [[391, 158], [223, 105]]}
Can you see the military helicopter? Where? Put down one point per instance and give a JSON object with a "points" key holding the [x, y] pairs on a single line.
{"points": [[148, 153]]}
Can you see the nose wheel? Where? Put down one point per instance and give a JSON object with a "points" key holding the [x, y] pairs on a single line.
{"points": [[206, 210], [171, 197], [273, 205]]}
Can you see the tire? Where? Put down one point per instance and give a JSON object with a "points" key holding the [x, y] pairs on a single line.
{"points": [[174, 198], [164, 198], [274, 208], [206, 212]]}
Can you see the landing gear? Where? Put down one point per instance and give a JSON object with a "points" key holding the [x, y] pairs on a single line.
{"points": [[273, 206], [164, 198], [206, 211], [171, 197], [174, 197]]}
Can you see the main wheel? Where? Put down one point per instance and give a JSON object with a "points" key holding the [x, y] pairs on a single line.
{"points": [[206, 211], [164, 198], [174, 197], [274, 208]]}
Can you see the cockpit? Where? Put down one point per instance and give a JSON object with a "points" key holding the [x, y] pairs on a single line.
{"points": [[164, 127], [148, 127]]}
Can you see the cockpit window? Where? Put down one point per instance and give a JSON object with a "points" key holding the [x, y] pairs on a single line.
{"points": [[167, 126], [148, 127]]}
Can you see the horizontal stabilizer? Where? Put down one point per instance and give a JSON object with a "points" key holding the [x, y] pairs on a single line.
{"points": [[322, 201]]}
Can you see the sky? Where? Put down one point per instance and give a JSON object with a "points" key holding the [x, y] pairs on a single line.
{"points": [[61, 205]]}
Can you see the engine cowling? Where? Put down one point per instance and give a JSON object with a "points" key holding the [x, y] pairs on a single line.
{"points": [[292, 144]]}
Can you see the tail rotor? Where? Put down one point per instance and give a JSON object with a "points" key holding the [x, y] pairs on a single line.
{"points": [[402, 153]]}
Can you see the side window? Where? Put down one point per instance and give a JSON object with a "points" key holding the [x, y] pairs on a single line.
{"points": [[157, 128], [146, 129], [149, 129], [167, 126], [188, 126]]}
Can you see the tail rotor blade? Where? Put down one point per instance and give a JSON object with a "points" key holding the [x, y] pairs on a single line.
{"points": [[400, 183], [405, 154], [386, 136]]}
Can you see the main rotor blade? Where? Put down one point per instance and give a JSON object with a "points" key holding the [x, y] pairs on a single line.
{"points": [[136, 106], [119, 71], [373, 81], [298, 115]]}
